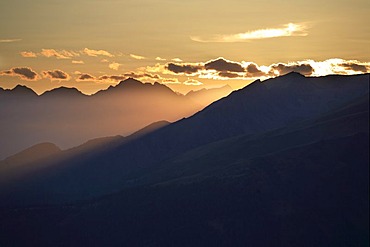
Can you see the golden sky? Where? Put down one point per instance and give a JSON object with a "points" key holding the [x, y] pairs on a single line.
{"points": [[188, 45]]}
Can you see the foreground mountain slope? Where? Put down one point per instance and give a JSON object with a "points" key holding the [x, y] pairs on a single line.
{"points": [[43, 156], [258, 108], [305, 184], [216, 157]]}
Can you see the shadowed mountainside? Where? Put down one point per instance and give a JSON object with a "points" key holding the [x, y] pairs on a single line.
{"points": [[304, 183], [260, 107]]}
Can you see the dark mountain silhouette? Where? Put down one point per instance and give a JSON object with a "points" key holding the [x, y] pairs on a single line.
{"points": [[40, 156], [67, 117], [297, 179], [256, 109], [17, 91], [32, 154], [62, 92]]}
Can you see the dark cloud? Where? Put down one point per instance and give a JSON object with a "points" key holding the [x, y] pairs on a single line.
{"points": [[56, 75], [112, 77], [228, 74], [86, 77], [23, 72], [221, 64], [304, 69], [183, 68], [141, 75], [253, 71], [355, 67]]}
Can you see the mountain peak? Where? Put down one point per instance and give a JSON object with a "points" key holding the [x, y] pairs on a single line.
{"points": [[21, 89], [34, 153], [129, 82], [293, 74], [63, 91]]}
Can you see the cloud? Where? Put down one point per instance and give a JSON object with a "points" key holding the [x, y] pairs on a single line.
{"points": [[9, 40], [137, 57], [78, 62], [24, 73], [253, 71], [222, 64], [56, 75], [28, 54], [290, 29], [160, 59], [192, 82], [176, 59], [141, 75], [170, 81], [112, 78], [282, 69], [104, 61], [114, 66], [85, 77], [355, 67], [183, 68], [95, 53], [62, 54], [223, 69], [228, 74]]}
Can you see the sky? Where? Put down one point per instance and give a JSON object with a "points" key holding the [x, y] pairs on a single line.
{"points": [[187, 45]]}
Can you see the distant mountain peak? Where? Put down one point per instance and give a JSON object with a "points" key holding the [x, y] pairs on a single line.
{"points": [[293, 74], [129, 82], [36, 152], [21, 89], [63, 91]]}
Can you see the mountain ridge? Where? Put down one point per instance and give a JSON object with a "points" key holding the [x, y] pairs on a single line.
{"points": [[67, 117], [302, 184], [252, 110]]}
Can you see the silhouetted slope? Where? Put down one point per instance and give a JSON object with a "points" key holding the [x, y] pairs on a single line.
{"points": [[62, 92], [302, 185], [17, 165], [39, 157], [36, 152], [254, 110], [18, 91], [219, 157]]}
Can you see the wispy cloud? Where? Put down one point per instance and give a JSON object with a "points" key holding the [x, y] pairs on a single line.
{"points": [[137, 57], [290, 29], [192, 82], [112, 79], [78, 62], [160, 59], [28, 54], [114, 66], [62, 54], [9, 40], [95, 53]]}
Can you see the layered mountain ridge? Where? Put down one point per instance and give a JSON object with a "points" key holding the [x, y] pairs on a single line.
{"points": [[283, 162], [67, 117]]}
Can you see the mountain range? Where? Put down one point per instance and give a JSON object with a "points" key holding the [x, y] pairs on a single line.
{"points": [[283, 162], [67, 117]]}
